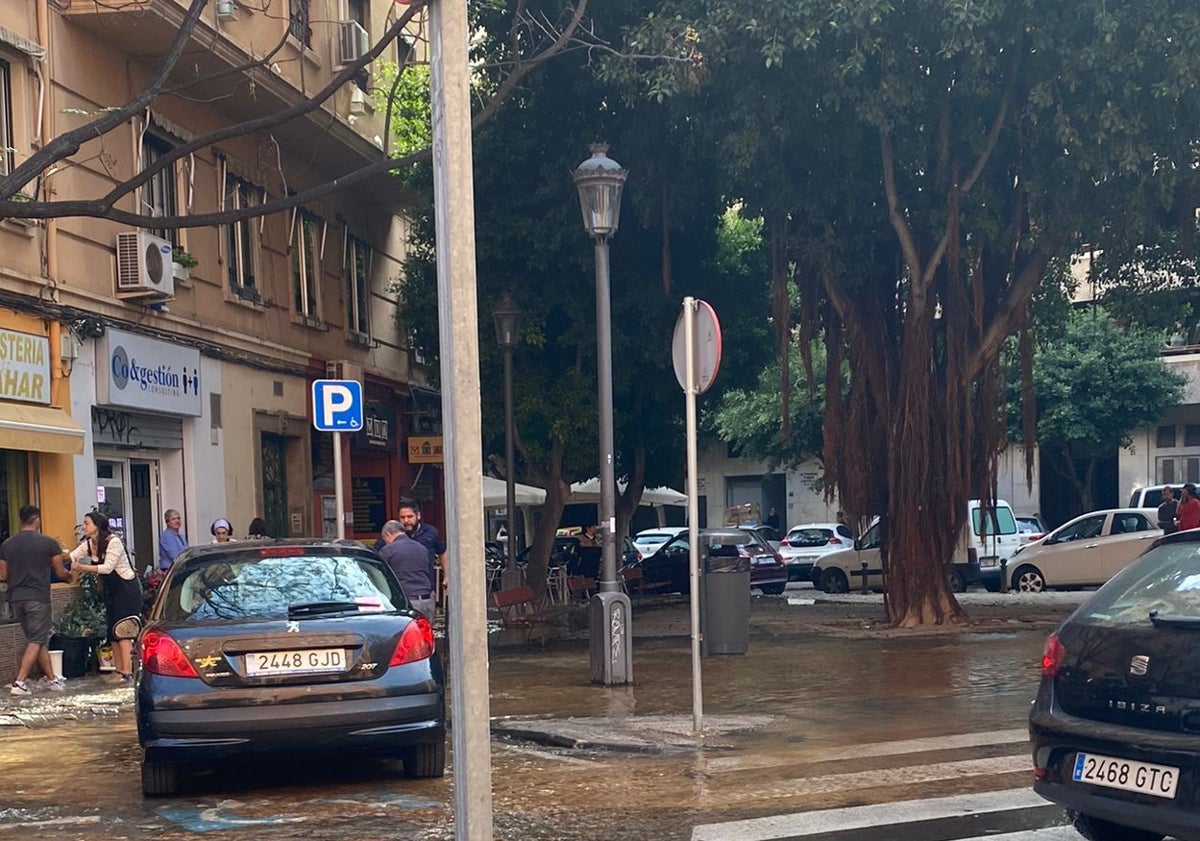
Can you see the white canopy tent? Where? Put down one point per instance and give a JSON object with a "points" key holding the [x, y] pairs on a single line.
{"points": [[495, 494], [589, 491]]}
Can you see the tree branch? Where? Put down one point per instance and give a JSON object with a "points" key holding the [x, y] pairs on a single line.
{"points": [[907, 244]]}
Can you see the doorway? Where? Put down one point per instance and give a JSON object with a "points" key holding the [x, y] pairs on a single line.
{"points": [[143, 496], [274, 484]]}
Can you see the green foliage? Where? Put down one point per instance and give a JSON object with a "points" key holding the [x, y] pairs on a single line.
{"points": [[408, 93], [183, 258], [1096, 382], [84, 616]]}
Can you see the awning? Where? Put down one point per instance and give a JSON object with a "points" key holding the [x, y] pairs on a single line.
{"points": [[42, 429]]}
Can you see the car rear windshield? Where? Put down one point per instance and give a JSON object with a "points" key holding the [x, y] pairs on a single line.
{"points": [[251, 586], [810, 537], [1004, 519], [651, 539], [1165, 580]]}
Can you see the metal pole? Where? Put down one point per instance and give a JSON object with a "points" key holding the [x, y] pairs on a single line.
{"points": [[510, 483], [608, 481], [689, 343], [454, 211], [338, 493]]}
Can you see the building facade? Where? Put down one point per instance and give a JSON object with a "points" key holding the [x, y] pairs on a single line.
{"points": [[143, 368]]}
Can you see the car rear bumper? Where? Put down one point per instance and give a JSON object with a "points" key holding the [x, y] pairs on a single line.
{"points": [[1057, 736], [378, 724]]}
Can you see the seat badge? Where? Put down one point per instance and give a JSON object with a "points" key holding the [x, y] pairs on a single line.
{"points": [[294, 628], [1139, 665]]}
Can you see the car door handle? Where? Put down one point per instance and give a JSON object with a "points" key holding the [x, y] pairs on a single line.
{"points": [[1091, 546]]}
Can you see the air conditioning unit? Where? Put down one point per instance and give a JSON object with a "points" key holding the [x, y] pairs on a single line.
{"points": [[353, 42], [144, 266], [226, 10], [343, 369], [358, 100]]}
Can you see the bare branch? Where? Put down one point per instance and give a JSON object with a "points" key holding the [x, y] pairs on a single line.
{"points": [[899, 223]]}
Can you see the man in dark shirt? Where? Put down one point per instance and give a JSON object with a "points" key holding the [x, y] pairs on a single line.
{"points": [[412, 564], [26, 560], [1167, 510], [409, 515]]}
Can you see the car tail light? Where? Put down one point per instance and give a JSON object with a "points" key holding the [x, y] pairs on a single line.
{"points": [[835, 540], [161, 655], [1053, 656], [1034, 537], [416, 643]]}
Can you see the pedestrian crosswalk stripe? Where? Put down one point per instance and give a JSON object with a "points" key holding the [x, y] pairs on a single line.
{"points": [[906, 775], [894, 748], [801, 824]]}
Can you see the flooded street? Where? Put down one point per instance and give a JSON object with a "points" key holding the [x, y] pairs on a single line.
{"points": [[837, 722]]}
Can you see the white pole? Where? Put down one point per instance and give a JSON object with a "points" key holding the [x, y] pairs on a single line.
{"points": [[693, 492], [339, 496], [454, 214]]}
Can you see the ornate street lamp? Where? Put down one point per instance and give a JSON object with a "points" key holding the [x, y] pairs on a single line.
{"points": [[507, 315], [599, 181]]}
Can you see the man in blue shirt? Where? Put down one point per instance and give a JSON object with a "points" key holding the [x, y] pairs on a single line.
{"points": [[171, 542], [412, 564]]}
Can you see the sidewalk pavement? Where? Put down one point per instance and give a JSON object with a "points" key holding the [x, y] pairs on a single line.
{"points": [[84, 699]]}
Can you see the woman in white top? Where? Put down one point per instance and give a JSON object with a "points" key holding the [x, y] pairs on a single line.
{"points": [[222, 531], [122, 591]]}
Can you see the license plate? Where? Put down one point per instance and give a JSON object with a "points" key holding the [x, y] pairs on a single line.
{"points": [[1125, 774], [304, 661]]}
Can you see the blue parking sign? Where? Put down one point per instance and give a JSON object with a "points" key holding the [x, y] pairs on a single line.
{"points": [[337, 405]]}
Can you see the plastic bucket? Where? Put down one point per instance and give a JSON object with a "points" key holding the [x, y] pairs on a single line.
{"points": [[56, 661]]}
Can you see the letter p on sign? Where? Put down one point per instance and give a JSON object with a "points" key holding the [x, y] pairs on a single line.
{"points": [[337, 405]]}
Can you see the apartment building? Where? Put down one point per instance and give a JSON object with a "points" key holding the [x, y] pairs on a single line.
{"points": [[133, 382]]}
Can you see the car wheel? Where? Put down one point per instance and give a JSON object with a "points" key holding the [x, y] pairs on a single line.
{"points": [[1028, 579], [834, 581], [1095, 829], [426, 760], [159, 779], [955, 581], [773, 589]]}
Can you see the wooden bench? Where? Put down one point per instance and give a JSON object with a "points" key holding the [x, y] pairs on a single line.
{"points": [[519, 608], [581, 587], [634, 580]]}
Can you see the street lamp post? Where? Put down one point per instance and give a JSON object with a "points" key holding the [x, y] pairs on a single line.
{"points": [[599, 181], [507, 315]]}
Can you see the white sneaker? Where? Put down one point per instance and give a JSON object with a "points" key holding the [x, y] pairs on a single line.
{"points": [[18, 687], [56, 685]]}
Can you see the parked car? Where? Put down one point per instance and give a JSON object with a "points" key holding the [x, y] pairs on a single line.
{"points": [[1113, 727], [1151, 496], [670, 563], [768, 533], [803, 544], [296, 646], [985, 539], [1088, 550], [1030, 528], [649, 541]]}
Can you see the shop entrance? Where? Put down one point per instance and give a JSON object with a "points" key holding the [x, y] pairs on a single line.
{"points": [[127, 493]]}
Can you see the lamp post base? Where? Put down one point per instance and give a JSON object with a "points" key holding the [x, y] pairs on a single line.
{"points": [[612, 660]]}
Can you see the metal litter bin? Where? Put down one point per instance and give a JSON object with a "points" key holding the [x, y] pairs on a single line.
{"points": [[726, 603]]}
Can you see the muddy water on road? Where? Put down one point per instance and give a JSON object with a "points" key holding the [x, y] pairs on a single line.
{"points": [[825, 698]]}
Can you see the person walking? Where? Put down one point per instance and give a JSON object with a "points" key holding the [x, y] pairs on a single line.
{"points": [[171, 542], [121, 589], [1167, 510], [1188, 515], [413, 565], [26, 560]]}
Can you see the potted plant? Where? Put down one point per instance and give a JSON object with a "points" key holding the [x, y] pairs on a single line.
{"points": [[182, 263], [81, 627]]}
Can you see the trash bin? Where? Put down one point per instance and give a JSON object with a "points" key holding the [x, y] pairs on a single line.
{"points": [[726, 615]]}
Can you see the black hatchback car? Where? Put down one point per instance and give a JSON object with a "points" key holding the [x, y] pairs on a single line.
{"points": [[670, 565], [255, 649], [1115, 729]]}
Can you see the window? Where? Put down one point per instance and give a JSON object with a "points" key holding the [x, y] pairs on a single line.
{"points": [[358, 272], [1166, 436], [1191, 435], [298, 21], [1173, 470], [158, 194], [1084, 529], [240, 238], [1003, 521], [306, 264], [6, 128]]}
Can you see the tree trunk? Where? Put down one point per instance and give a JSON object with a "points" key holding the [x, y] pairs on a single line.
{"points": [[915, 554], [558, 488]]}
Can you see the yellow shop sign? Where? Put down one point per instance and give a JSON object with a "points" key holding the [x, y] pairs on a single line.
{"points": [[24, 367], [425, 450]]}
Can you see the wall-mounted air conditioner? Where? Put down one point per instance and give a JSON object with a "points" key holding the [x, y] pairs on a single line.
{"points": [[226, 10], [358, 100], [353, 42], [144, 266]]}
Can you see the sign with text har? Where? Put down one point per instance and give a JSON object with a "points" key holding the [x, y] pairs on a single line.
{"points": [[24, 367]]}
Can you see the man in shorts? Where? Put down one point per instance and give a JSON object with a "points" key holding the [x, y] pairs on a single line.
{"points": [[26, 560]]}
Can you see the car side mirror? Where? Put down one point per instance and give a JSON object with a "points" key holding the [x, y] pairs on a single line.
{"points": [[858, 544]]}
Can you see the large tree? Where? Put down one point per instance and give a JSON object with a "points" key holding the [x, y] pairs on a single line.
{"points": [[919, 164]]}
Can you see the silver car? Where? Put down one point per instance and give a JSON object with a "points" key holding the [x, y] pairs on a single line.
{"points": [[803, 545]]}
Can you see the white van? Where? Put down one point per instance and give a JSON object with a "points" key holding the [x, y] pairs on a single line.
{"points": [[983, 540]]}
